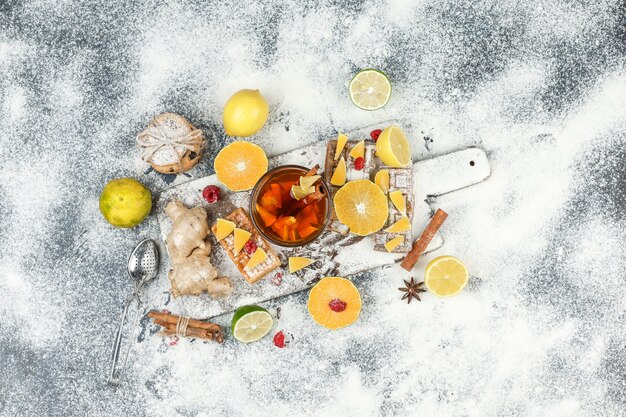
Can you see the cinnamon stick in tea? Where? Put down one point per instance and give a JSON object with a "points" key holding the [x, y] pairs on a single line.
{"points": [[421, 244]]}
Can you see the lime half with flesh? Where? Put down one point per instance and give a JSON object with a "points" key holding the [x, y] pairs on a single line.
{"points": [[251, 323], [370, 89]]}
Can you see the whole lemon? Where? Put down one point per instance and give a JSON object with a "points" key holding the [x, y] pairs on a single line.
{"points": [[245, 113], [125, 202]]}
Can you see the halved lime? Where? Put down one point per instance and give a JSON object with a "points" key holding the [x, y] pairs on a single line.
{"points": [[251, 323], [370, 89]]}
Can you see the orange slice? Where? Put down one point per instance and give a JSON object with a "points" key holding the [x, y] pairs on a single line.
{"points": [[241, 237], [223, 229], [257, 257], [361, 206], [358, 150], [398, 200], [394, 243], [400, 226], [297, 263], [382, 180], [240, 165], [334, 303], [341, 143], [339, 176]]}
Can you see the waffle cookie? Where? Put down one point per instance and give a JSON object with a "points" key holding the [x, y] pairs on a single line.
{"points": [[351, 173], [252, 275], [400, 179]]}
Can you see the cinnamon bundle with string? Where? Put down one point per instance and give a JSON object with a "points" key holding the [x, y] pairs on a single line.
{"points": [[187, 327]]}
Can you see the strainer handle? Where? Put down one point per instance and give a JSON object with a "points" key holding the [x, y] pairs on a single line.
{"points": [[114, 374]]}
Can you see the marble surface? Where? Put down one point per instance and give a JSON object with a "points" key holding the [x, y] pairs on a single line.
{"points": [[540, 86]]}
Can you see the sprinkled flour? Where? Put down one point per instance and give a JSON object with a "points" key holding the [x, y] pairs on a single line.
{"points": [[541, 87]]}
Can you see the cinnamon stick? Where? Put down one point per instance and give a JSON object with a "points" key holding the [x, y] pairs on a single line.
{"points": [[421, 244], [195, 328], [312, 171], [317, 195]]}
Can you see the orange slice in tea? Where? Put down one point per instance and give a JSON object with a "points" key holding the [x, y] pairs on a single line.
{"points": [[267, 217], [240, 165], [297, 263], [358, 150], [339, 176], [257, 257], [361, 206], [341, 143], [223, 229], [400, 226], [334, 303]]}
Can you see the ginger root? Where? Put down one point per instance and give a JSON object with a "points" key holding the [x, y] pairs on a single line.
{"points": [[189, 249]]}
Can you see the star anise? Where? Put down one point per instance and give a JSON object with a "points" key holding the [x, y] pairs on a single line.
{"points": [[411, 290]]}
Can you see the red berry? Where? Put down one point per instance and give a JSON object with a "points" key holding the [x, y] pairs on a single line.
{"points": [[279, 340], [375, 134], [277, 279], [337, 305], [250, 247], [359, 163], [173, 340], [211, 193]]}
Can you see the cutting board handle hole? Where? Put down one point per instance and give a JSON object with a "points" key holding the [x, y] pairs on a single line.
{"points": [[472, 163]]}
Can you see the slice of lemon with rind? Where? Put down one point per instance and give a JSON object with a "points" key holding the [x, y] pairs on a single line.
{"points": [[370, 89], [446, 276]]}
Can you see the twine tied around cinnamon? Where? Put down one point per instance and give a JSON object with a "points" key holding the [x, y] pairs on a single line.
{"points": [[151, 142], [181, 326]]}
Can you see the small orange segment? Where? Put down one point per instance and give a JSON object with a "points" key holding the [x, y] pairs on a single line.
{"points": [[334, 303]]}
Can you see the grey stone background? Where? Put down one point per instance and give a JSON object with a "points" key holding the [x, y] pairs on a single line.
{"points": [[540, 86]]}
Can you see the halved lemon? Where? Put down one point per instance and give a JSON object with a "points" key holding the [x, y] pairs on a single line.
{"points": [[393, 148], [370, 89], [251, 323], [446, 276], [240, 165], [362, 206]]}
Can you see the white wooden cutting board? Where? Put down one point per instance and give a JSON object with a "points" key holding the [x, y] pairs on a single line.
{"points": [[335, 255]]}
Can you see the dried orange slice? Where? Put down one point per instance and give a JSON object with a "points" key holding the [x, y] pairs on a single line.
{"points": [[240, 165], [362, 206], [334, 302]]}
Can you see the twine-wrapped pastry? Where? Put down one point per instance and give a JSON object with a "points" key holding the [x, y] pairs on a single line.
{"points": [[171, 144]]}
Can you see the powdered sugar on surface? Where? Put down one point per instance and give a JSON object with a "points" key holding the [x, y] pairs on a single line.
{"points": [[540, 87]]}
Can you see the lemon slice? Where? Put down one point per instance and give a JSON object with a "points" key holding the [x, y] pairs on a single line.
{"points": [[251, 323], [339, 176], [223, 229], [394, 243], [446, 276], [306, 182], [341, 143], [299, 193], [297, 263], [241, 237], [393, 148], [257, 257], [382, 180], [398, 200], [370, 89], [400, 226], [358, 150]]}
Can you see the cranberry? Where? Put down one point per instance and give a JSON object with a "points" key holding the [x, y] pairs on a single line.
{"points": [[277, 279], [375, 134], [337, 305], [173, 340], [359, 163], [250, 247], [279, 340], [211, 193]]}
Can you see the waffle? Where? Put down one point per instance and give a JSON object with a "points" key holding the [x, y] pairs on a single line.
{"points": [[242, 221], [399, 179], [351, 173]]}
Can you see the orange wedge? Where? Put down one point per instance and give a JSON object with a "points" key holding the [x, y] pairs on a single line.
{"points": [[297, 263], [223, 229], [339, 176], [241, 237], [394, 243], [382, 179], [240, 165], [400, 226], [257, 257], [358, 150], [334, 303], [341, 143], [361, 206], [398, 200]]}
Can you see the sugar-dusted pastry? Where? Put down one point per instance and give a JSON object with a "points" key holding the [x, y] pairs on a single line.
{"points": [[170, 144], [401, 200]]}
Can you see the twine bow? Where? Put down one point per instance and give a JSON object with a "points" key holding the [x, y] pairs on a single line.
{"points": [[151, 142]]}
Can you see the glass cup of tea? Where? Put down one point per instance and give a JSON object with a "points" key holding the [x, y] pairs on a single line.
{"points": [[282, 219]]}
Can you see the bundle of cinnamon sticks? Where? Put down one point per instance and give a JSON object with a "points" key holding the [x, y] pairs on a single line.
{"points": [[194, 328]]}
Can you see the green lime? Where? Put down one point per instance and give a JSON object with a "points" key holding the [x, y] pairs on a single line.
{"points": [[251, 323], [370, 89], [125, 202]]}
